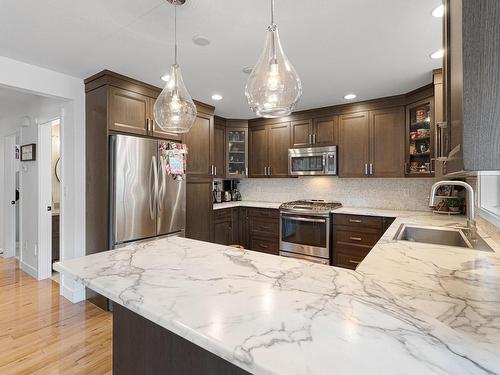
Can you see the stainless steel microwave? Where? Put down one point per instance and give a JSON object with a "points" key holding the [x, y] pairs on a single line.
{"points": [[314, 161]]}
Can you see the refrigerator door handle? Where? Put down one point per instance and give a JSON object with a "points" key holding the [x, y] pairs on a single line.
{"points": [[161, 186], [156, 197], [152, 185]]}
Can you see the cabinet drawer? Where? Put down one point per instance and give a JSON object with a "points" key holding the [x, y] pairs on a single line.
{"points": [[346, 260], [264, 226], [356, 237], [265, 245], [263, 212], [358, 221], [222, 214]]}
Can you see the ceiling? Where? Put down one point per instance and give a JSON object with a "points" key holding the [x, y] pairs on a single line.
{"points": [[371, 48]]}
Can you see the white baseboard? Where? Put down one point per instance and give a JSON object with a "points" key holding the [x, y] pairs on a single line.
{"points": [[30, 270]]}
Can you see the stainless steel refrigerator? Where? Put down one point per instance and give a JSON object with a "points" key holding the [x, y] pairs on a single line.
{"points": [[148, 192]]}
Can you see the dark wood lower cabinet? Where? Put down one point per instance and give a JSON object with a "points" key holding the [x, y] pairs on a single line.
{"points": [[354, 236], [143, 347], [199, 208], [253, 228]]}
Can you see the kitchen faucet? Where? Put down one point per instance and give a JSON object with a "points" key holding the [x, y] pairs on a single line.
{"points": [[471, 221]]}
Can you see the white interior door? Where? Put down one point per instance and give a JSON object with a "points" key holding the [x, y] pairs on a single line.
{"points": [[9, 201], [44, 153]]}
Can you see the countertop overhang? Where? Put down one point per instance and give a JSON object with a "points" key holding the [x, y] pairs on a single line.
{"points": [[408, 308]]}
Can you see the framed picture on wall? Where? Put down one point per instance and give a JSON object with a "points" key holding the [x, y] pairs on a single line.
{"points": [[28, 152]]}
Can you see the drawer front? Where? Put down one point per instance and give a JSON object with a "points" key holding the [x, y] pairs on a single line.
{"points": [[356, 237], [346, 260], [265, 245], [263, 212], [222, 214], [358, 221], [264, 226]]}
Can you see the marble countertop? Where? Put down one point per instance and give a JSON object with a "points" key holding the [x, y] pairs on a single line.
{"points": [[409, 308]]}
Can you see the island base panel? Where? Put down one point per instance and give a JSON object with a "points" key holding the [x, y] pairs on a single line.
{"points": [[143, 347]]}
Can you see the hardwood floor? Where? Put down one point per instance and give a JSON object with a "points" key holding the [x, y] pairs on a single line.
{"points": [[43, 333]]}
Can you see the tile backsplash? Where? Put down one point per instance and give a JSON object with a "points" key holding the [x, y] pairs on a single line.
{"points": [[389, 193]]}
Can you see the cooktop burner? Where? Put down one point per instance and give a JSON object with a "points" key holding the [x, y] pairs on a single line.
{"points": [[310, 205]]}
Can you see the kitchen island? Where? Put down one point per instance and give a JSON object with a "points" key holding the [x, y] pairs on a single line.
{"points": [[206, 308]]}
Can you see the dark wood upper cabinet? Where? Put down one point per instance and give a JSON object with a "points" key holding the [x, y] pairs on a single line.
{"points": [[200, 141], [258, 151], [279, 143], [128, 111], [219, 147], [472, 85], [387, 142], [354, 144], [316, 132], [301, 133], [325, 131]]}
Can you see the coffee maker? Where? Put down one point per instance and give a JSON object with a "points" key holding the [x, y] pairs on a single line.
{"points": [[217, 192]]}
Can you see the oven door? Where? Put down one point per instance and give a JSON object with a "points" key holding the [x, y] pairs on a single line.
{"points": [[305, 234], [305, 162]]}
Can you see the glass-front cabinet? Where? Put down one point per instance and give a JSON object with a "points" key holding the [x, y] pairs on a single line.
{"points": [[236, 152], [419, 159]]}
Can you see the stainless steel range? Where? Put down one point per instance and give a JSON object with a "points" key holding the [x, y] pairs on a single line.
{"points": [[305, 230]]}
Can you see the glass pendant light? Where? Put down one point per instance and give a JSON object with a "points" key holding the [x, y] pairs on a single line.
{"points": [[174, 110], [273, 88]]}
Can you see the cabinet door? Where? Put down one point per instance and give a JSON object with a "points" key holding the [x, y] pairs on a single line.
{"points": [[199, 208], [354, 144], [301, 133], [200, 141], [128, 111], [236, 152], [387, 142], [279, 143], [223, 230], [325, 131], [219, 149], [158, 132], [258, 151]]}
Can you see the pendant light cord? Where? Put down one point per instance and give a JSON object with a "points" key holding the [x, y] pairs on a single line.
{"points": [[175, 34], [272, 12]]}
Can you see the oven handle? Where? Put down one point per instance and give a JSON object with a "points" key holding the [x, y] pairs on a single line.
{"points": [[307, 219]]}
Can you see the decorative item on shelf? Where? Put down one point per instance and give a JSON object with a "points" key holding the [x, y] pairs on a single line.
{"points": [[174, 109], [453, 204], [423, 148], [274, 87], [421, 115], [413, 149], [28, 152], [413, 166], [422, 133]]}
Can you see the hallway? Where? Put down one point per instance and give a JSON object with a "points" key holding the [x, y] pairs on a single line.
{"points": [[42, 333]]}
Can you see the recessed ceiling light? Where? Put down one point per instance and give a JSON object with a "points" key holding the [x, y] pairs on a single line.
{"points": [[166, 77], [350, 96], [201, 40], [247, 69], [438, 54], [438, 11], [216, 97]]}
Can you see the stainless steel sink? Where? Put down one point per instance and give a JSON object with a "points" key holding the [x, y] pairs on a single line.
{"points": [[440, 236]]}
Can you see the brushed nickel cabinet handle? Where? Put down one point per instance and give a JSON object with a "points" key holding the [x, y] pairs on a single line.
{"points": [[314, 139], [371, 168], [215, 170], [354, 261], [366, 169], [263, 246], [354, 221], [355, 238]]}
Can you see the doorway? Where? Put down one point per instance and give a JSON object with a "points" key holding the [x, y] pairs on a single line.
{"points": [[49, 187]]}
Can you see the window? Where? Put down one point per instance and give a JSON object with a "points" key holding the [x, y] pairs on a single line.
{"points": [[489, 196]]}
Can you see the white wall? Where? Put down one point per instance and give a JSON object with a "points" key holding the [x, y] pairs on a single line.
{"points": [[42, 81], [390, 193]]}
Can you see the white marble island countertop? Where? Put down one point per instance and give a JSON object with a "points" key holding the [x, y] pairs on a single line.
{"points": [[417, 309]]}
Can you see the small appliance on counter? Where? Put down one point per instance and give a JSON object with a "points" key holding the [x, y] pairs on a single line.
{"points": [[226, 196], [217, 192], [235, 193]]}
